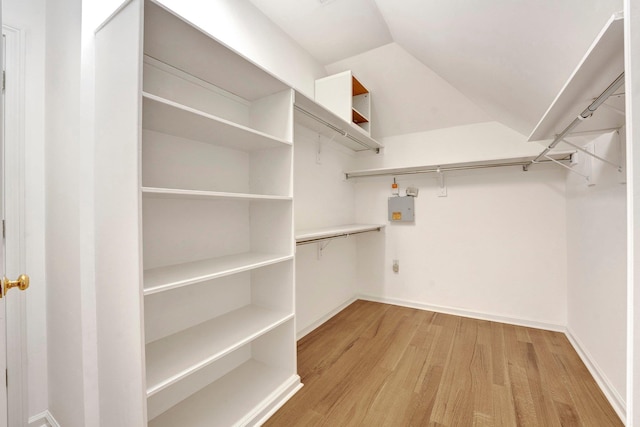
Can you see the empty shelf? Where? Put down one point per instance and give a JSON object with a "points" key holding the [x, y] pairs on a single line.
{"points": [[174, 357], [173, 193], [174, 276], [232, 400], [316, 234], [357, 117], [162, 115]]}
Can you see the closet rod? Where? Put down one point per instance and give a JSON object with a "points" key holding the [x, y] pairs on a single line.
{"points": [[588, 112], [444, 169], [337, 236], [335, 129]]}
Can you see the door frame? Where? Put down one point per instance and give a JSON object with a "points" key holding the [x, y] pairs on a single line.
{"points": [[15, 248]]}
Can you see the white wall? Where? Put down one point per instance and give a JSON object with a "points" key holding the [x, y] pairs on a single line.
{"points": [[632, 107], [495, 247], [322, 199], [28, 16], [63, 228], [478, 141], [596, 248]]}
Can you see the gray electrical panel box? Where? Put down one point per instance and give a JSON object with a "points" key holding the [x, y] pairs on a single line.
{"points": [[401, 209]]}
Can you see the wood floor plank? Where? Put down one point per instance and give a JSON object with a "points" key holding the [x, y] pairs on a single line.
{"points": [[381, 365], [503, 407], [497, 354]]}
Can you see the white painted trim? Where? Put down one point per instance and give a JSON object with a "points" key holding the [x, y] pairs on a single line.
{"points": [[632, 102], [113, 15], [467, 313], [14, 213], [43, 419], [614, 398], [324, 318], [285, 393]]}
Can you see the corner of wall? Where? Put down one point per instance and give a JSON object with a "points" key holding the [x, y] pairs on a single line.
{"points": [[615, 399], [43, 419]]}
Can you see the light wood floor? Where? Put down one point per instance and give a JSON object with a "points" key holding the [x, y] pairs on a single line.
{"points": [[382, 365]]}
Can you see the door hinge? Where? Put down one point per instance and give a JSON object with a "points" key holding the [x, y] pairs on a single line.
{"points": [[4, 80], [6, 377], [4, 234]]}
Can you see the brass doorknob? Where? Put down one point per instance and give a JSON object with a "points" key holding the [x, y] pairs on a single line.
{"points": [[22, 283]]}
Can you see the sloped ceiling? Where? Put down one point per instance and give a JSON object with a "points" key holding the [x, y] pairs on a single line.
{"points": [[329, 29], [508, 57], [407, 96]]}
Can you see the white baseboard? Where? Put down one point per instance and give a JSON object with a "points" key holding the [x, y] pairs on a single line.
{"points": [[43, 419], [467, 313], [275, 402], [617, 402], [324, 318]]}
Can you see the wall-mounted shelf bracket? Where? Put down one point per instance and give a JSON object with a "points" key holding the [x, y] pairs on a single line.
{"points": [[322, 245], [570, 169], [319, 150], [594, 155], [442, 188], [614, 109]]}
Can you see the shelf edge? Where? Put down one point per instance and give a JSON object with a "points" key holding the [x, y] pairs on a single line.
{"points": [[172, 104], [203, 194], [204, 278]]}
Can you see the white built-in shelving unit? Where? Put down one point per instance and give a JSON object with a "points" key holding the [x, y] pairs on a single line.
{"points": [[195, 143], [343, 94]]}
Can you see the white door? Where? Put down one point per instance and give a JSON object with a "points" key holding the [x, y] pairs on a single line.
{"points": [[12, 302], [3, 309]]}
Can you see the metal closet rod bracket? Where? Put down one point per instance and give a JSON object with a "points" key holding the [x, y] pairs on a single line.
{"points": [[587, 177], [585, 114], [594, 155]]}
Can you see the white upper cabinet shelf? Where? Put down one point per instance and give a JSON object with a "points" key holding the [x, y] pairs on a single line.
{"points": [[314, 116], [323, 233], [601, 65], [172, 358], [162, 115], [174, 276], [343, 94]]}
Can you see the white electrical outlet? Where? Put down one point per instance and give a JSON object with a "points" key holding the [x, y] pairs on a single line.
{"points": [[396, 266]]}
